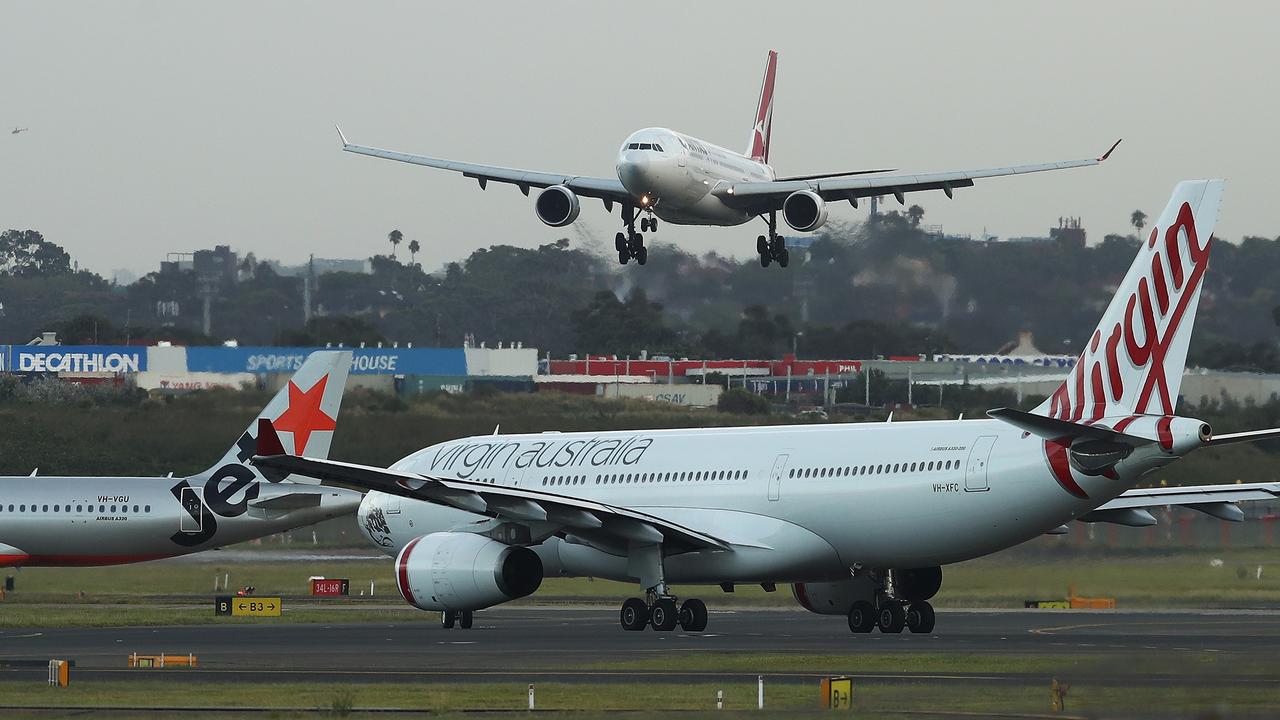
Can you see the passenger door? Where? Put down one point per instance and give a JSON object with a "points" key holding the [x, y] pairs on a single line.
{"points": [[975, 469], [191, 519], [775, 476]]}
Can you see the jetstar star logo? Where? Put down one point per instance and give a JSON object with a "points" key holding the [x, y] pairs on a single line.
{"points": [[304, 415]]}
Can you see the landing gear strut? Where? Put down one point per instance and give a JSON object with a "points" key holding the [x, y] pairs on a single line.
{"points": [[463, 619], [658, 609], [630, 245], [888, 613], [772, 248]]}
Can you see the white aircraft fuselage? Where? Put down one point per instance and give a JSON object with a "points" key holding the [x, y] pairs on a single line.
{"points": [[673, 175]]}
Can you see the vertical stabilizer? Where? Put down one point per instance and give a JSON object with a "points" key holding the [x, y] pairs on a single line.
{"points": [[1134, 361], [758, 149], [305, 411]]}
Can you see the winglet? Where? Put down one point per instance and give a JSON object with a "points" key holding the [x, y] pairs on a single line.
{"points": [[268, 441], [1105, 155], [345, 143]]}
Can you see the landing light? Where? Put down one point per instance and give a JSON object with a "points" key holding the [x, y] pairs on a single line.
{"points": [[644, 200]]}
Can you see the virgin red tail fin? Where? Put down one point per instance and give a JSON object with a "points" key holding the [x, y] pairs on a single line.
{"points": [[758, 150]]}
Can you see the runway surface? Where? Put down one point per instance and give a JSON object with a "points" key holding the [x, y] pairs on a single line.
{"points": [[527, 644]]}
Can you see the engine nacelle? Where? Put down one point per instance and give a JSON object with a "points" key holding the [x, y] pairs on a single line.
{"points": [[464, 571], [804, 210], [557, 206], [916, 584]]}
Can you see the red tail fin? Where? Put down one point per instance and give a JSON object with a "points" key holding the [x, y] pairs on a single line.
{"points": [[758, 150]]}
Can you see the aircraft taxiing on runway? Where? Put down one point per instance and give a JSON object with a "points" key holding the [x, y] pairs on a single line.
{"points": [[663, 174], [82, 521], [860, 517]]}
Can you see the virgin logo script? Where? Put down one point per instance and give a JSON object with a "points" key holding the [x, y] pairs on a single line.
{"points": [[1134, 349]]}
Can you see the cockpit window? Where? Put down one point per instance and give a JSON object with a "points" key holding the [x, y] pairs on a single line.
{"points": [[633, 146], [646, 146], [657, 147]]}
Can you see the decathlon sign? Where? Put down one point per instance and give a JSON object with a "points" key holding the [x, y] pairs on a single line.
{"points": [[76, 359]]}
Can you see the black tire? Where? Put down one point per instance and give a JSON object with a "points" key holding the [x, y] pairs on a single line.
{"points": [[465, 619], [663, 616], [762, 245], [784, 257], [891, 618], [634, 615], [642, 254], [624, 256], [620, 242], [693, 615], [862, 617], [764, 259], [653, 224], [644, 224], [448, 618], [920, 617]]}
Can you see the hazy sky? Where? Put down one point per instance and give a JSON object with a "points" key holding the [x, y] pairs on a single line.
{"points": [[171, 126]]}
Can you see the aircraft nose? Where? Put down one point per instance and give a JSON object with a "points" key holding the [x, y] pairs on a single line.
{"points": [[633, 169]]}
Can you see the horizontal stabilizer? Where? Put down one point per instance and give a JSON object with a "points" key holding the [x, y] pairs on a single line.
{"points": [[288, 501], [1055, 429]]}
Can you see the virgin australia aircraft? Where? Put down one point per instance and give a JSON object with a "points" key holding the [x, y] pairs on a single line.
{"points": [[860, 517], [112, 520], [663, 174]]}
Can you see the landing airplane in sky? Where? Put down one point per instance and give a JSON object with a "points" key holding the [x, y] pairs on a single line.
{"points": [[860, 517], [663, 174], [80, 521], [19, 130]]}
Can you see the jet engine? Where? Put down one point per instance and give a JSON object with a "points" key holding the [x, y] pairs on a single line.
{"points": [[916, 584], [804, 210], [464, 571], [557, 206]]}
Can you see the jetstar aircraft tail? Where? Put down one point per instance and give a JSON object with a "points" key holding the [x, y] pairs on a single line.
{"points": [[758, 149], [1133, 363], [305, 411]]}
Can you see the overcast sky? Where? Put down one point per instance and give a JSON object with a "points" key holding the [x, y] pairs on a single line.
{"points": [[171, 126]]}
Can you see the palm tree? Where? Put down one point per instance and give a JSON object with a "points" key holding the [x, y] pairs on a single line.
{"points": [[414, 247], [915, 214], [395, 236], [1139, 220]]}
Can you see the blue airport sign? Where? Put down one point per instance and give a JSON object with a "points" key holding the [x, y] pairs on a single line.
{"points": [[366, 361]]}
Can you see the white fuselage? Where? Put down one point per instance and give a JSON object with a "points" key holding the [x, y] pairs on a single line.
{"points": [[674, 176], [795, 503], [69, 521]]}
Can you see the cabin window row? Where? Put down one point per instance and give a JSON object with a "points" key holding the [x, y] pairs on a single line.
{"points": [[852, 470], [78, 508], [628, 478]]}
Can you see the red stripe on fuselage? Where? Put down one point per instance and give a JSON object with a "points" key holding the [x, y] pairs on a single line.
{"points": [[85, 560]]}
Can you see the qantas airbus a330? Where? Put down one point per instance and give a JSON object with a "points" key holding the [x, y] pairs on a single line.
{"points": [[859, 517], [80, 521], [663, 174]]}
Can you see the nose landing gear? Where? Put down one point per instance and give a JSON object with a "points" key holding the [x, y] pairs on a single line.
{"points": [[772, 248]]}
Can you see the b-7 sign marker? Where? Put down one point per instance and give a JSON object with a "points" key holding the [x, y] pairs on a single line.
{"points": [[247, 606]]}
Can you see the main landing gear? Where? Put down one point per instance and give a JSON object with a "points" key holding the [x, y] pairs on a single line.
{"points": [[890, 614], [630, 245], [463, 619], [663, 615], [772, 248]]}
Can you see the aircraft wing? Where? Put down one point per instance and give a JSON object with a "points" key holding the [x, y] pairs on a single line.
{"points": [[608, 189], [762, 197], [586, 518]]}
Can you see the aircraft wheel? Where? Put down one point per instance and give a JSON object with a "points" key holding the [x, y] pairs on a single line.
{"points": [[642, 254], [624, 256], [465, 619], [634, 615], [764, 259], [892, 617], [663, 615], [644, 224], [862, 617], [620, 242], [784, 257], [693, 615], [653, 224], [447, 619], [762, 245], [920, 617]]}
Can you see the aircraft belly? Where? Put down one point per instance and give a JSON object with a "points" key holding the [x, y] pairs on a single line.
{"points": [[706, 209]]}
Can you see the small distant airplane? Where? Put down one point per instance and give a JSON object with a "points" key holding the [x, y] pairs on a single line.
{"points": [[19, 130], [663, 174]]}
